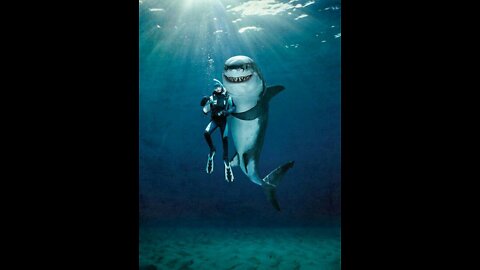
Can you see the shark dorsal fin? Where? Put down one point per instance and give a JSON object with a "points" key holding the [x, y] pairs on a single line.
{"points": [[254, 112]]}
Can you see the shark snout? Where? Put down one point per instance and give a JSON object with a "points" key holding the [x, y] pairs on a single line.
{"points": [[239, 69]]}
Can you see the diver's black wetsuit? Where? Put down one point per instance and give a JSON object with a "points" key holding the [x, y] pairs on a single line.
{"points": [[220, 106]]}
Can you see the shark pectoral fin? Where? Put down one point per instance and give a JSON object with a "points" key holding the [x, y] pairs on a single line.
{"points": [[273, 91], [251, 114], [235, 161], [272, 180]]}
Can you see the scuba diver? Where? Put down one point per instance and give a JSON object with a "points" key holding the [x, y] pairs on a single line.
{"points": [[220, 105]]}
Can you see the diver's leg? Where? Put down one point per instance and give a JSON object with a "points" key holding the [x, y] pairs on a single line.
{"points": [[207, 134], [224, 130], [208, 131], [228, 170]]}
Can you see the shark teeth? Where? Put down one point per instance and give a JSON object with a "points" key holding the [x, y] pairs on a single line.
{"points": [[238, 79]]}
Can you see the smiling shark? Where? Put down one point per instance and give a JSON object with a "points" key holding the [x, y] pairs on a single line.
{"points": [[245, 84]]}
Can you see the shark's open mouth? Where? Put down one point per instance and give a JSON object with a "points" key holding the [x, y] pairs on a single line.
{"points": [[238, 79]]}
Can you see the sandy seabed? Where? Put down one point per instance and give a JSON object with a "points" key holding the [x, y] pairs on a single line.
{"points": [[253, 248]]}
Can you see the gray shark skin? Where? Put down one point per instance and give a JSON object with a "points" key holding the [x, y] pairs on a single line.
{"points": [[245, 84]]}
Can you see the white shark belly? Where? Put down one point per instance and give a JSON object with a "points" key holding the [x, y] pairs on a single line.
{"points": [[244, 134], [248, 138]]}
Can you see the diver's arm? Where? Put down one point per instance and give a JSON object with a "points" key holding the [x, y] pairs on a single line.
{"points": [[206, 106]]}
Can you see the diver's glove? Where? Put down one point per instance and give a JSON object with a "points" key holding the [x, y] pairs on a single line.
{"points": [[204, 101], [223, 113]]}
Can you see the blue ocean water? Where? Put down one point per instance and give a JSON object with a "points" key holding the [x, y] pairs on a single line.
{"points": [[183, 46]]}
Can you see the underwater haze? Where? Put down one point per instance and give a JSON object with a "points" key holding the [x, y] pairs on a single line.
{"points": [[193, 220]]}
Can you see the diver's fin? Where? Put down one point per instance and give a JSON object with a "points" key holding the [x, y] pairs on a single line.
{"points": [[235, 161], [272, 180], [273, 91], [228, 172], [209, 167]]}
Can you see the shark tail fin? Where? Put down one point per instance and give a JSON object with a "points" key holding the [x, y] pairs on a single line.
{"points": [[272, 180]]}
